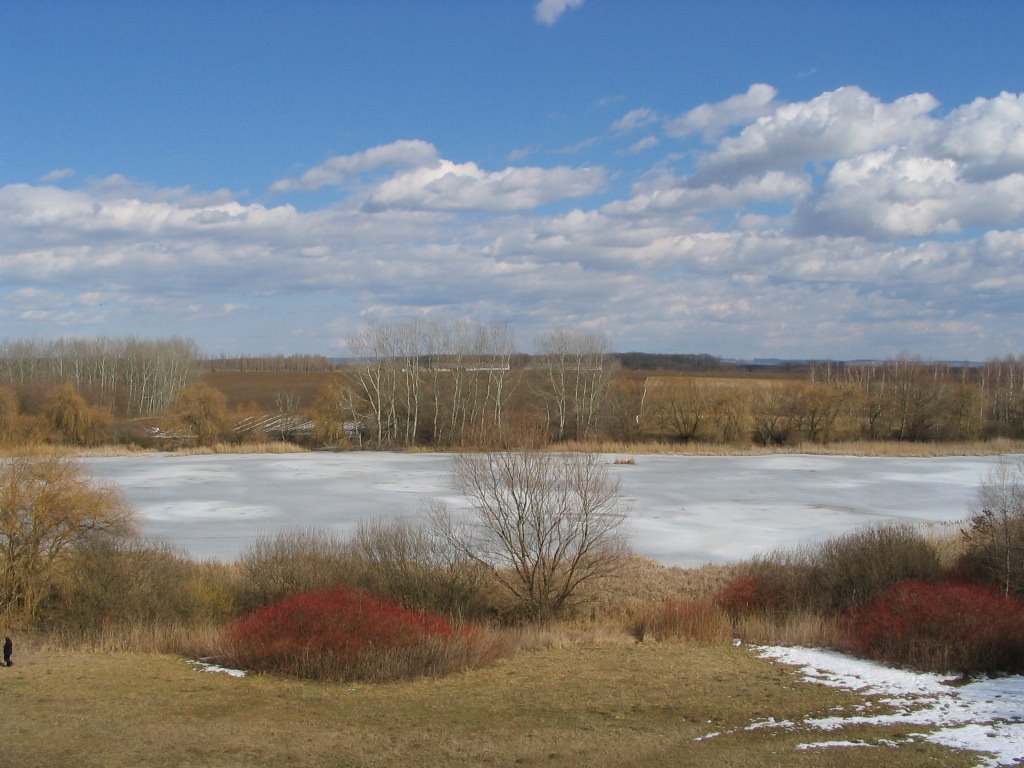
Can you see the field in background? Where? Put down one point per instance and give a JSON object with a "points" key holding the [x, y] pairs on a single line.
{"points": [[243, 388]]}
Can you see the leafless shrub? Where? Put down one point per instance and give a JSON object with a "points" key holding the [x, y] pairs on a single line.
{"points": [[542, 524], [290, 562]]}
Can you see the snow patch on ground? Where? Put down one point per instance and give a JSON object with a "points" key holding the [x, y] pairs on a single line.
{"points": [[985, 716], [203, 666]]}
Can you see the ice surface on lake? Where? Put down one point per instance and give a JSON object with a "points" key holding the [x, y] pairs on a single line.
{"points": [[684, 510]]}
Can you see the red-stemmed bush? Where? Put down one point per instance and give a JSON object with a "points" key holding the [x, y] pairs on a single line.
{"points": [[346, 634], [942, 626], [748, 594]]}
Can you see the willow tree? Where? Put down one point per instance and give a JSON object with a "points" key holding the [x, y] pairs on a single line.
{"points": [[49, 509]]}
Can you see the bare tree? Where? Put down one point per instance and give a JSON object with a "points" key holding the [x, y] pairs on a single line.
{"points": [[996, 525], [575, 377], [129, 376], [543, 524], [49, 507]]}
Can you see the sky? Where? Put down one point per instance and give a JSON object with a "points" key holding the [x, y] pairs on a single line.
{"points": [[747, 179]]}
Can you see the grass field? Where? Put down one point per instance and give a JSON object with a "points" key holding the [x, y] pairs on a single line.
{"points": [[611, 703]]}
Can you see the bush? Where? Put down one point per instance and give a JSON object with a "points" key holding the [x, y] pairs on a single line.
{"points": [[291, 562], [837, 575], [346, 634], [135, 583], [945, 626], [776, 585], [417, 569], [852, 569], [748, 594]]}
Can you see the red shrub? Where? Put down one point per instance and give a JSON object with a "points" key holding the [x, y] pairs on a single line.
{"points": [[944, 626], [338, 633], [744, 595]]}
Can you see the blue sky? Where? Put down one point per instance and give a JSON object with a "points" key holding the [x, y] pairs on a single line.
{"points": [[740, 178]]}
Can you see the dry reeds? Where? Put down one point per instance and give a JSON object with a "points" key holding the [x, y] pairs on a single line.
{"points": [[699, 621], [867, 448]]}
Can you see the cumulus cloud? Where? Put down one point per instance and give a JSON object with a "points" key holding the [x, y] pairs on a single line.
{"points": [[840, 123], [422, 180], [335, 170], [894, 193], [449, 186], [711, 120], [772, 187], [842, 225], [987, 135], [549, 11]]}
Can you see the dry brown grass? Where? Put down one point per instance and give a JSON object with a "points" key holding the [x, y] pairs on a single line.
{"points": [[194, 638], [995, 447], [700, 621], [807, 629], [641, 582], [600, 704], [261, 387], [230, 448]]}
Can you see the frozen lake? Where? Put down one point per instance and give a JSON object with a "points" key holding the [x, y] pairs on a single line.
{"points": [[684, 510]]}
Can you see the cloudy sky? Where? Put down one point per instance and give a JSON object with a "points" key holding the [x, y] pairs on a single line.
{"points": [[747, 179]]}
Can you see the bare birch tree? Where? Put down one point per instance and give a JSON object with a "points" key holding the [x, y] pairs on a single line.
{"points": [[996, 526], [575, 375]]}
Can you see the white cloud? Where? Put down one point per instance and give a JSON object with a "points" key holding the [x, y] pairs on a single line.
{"points": [[335, 170], [837, 124], [893, 193], [648, 142], [774, 186], [841, 225], [634, 119], [450, 186], [58, 174], [986, 135], [711, 120], [549, 11]]}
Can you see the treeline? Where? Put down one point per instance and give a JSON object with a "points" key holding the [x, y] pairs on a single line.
{"points": [[569, 391], [269, 363], [647, 361], [459, 384], [903, 399], [126, 376]]}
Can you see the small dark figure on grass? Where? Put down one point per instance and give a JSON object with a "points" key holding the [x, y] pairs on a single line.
{"points": [[8, 650]]}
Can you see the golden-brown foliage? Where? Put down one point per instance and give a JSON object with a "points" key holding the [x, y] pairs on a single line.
{"points": [[202, 411], [72, 421], [49, 508]]}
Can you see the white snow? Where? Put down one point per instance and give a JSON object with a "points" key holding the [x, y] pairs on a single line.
{"points": [[203, 666], [685, 510], [985, 716]]}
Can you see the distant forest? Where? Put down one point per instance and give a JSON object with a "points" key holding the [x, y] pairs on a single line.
{"points": [[464, 385]]}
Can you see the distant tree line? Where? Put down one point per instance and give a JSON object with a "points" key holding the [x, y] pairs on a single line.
{"points": [[127, 376], [268, 363], [460, 384], [647, 361], [903, 399]]}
